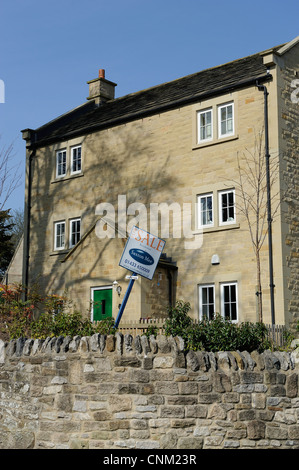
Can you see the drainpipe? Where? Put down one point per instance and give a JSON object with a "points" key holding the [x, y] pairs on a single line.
{"points": [[267, 156], [169, 276], [27, 230], [28, 136]]}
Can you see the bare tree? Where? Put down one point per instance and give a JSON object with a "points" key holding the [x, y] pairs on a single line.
{"points": [[252, 188], [9, 174], [17, 220]]}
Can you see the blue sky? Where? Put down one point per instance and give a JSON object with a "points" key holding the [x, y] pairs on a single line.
{"points": [[49, 50]]}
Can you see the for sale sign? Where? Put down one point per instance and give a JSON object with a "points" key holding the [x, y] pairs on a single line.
{"points": [[142, 252]]}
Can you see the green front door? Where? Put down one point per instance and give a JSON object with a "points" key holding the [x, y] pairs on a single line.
{"points": [[102, 304]]}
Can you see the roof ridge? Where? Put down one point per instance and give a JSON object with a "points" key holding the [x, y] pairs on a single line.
{"points": [[193, 74]]}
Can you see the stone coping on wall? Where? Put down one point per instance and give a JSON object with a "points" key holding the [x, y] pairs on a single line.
{"points": [[136, 351]]}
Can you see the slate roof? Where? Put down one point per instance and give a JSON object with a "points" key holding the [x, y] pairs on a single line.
{"points": [[88, 117]]}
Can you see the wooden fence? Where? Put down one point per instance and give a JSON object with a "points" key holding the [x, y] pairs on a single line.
{"points": [[140, 327], [276, 333]]}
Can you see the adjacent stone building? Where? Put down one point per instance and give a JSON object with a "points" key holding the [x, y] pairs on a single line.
{"points": [[171, 150]]}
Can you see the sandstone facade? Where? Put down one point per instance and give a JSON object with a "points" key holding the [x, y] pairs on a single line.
{"points": [[154, 156]]}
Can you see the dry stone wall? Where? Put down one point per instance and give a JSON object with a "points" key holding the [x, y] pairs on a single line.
{"points": [[120, 392]]}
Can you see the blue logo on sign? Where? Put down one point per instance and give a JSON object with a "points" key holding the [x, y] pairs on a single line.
{"points": [[141, 256]]}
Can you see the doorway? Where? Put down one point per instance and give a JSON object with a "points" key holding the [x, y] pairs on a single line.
{"points": [[101, 298]]}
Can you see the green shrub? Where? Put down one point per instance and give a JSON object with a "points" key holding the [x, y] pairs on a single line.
{"points": [[212, 335], [103, 327], [61, 324], [152, 330], [253, 336], [222, 335], [18, 317], [217, 334], [16, 314], [69, 324], [178, 322]]}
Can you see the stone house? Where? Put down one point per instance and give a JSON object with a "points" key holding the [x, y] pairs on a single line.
{"points": [[13, 274], [166, 159]]}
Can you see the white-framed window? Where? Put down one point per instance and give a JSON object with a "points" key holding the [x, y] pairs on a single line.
{"points": [[215, 120], [76, 162], [227, 207], [205, 125], [226, 120], [205, 210], [206, 301], [59, 235], [75, 231], [229, 301], [60, 163]]}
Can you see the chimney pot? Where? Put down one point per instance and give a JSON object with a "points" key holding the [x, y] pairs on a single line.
{"points": [[102, 73]]}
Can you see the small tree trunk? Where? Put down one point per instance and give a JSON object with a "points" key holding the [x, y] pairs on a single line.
{"points": [[259, 287]]}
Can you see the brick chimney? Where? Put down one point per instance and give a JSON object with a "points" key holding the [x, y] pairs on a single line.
{"points": [[100, 89]]}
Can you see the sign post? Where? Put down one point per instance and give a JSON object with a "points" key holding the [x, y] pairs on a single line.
{"points": [[124, 302], [141, 256]]}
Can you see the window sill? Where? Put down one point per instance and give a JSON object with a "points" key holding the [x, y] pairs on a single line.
{"points": [[67, 178], [215, 142], [219, 228], [59, 252]]}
